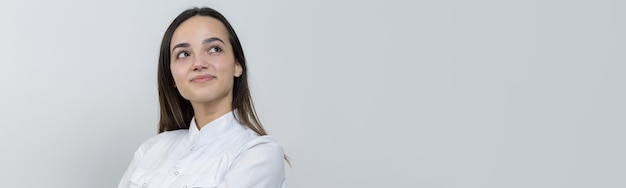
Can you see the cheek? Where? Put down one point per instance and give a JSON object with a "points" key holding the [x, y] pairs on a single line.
{"points": [[226, 67], [227, 71], [177, 73]]}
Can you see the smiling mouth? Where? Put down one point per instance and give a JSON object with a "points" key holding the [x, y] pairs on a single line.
{"points": [[202, 78]]}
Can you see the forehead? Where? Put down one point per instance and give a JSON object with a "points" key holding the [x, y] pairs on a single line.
{"points": [[198, 28]]}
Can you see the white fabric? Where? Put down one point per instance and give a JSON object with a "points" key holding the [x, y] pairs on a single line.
{"points": [[223, 154]]}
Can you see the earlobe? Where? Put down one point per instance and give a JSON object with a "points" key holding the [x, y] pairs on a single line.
{"points": [[238, 70]]}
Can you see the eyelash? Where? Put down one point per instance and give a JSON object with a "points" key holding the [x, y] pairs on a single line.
{"points": [[217, 50], [183, 52]]}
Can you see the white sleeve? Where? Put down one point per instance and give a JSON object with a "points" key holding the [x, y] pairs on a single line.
{"points": [[259, 165], [139, 155], [125, 182]]}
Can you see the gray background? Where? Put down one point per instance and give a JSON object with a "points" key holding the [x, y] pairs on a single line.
{"points": [[452, 94]]}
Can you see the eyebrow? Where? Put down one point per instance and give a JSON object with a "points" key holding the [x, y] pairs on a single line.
{"points": [[208, 40], [212, 39]]}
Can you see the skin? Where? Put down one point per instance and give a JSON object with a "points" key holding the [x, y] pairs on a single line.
{"points": [[203, 67]]}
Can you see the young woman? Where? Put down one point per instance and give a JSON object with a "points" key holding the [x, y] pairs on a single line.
{"points": [[209, 135]]}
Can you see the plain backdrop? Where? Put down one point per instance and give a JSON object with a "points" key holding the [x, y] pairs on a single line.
{"points": [[448, 93]]}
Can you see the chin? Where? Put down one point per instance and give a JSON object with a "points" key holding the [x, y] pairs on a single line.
{"points": [[204, 95], [201, 98]]}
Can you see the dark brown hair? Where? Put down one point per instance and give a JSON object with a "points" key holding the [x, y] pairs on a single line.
{"points": [[176, 111]]}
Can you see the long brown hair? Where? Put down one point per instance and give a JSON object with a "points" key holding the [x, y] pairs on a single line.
{"points": [[176, 111]]}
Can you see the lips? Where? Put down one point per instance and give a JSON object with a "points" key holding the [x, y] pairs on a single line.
{"points": [[202, 78]]}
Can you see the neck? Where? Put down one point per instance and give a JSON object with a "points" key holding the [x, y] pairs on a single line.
{"points": [[207, 112]]}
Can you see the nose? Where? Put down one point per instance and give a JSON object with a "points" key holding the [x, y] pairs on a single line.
{"points": [[199, 64]]}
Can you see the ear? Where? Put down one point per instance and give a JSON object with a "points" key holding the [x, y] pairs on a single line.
{"points": [[238, 69]]}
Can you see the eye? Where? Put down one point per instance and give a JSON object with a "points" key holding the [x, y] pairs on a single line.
{"points": [[215, 49], [182, 55]]}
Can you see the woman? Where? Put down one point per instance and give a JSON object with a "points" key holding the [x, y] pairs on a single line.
{"points": [[209, 135]]}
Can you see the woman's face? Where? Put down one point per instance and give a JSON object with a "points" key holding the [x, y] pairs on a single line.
{"points": [[202, 61]]}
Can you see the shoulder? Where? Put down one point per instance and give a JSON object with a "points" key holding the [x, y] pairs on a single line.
{"points": [[164, 137], [266, 141], [262, 147], [246, 139], [259, 163]]}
